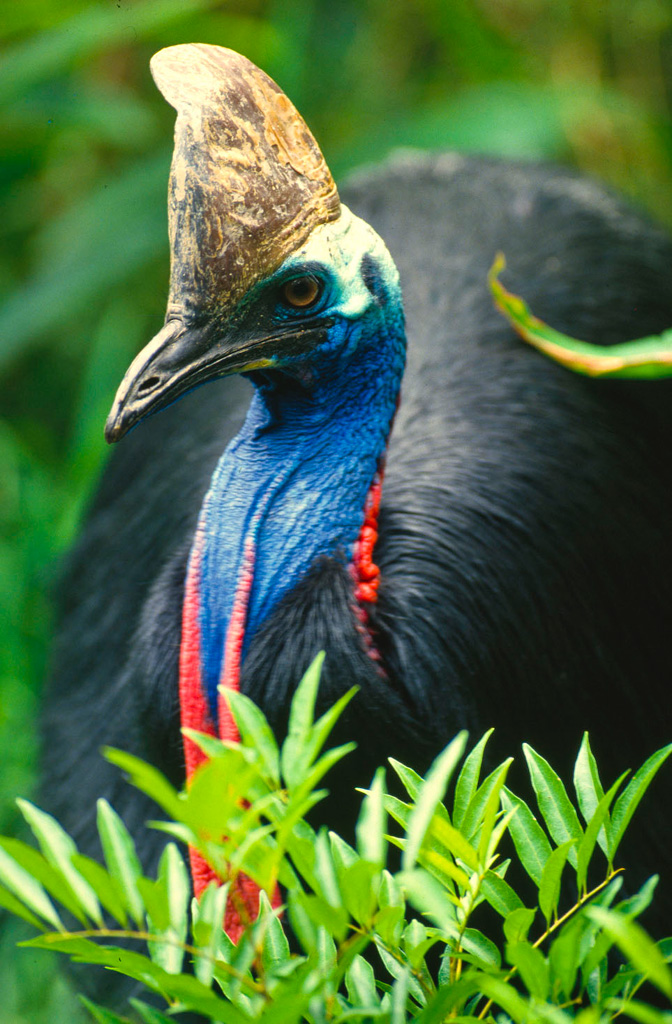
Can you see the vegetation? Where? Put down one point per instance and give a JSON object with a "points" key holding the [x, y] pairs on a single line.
{"points": [[83, 253], [365, 932]]}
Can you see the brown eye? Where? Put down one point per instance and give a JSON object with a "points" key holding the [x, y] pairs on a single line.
{"points": [[301, 292]]}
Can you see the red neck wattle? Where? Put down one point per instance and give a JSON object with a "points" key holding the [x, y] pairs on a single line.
{"points": [[243, 902], [365, 572]]}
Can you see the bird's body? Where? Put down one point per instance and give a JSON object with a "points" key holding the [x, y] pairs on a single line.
{"points": [[524, 550]]}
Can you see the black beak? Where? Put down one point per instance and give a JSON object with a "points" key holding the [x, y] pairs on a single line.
{"points": [[179, 358]]}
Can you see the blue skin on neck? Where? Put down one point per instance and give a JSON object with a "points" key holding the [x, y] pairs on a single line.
{"points": [[296, 478]]}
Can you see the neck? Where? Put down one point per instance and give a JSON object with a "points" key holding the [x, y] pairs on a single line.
{"points": [[294, 485]]}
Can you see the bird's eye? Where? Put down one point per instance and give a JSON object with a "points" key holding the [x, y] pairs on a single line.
{"points": [[301, 292]]}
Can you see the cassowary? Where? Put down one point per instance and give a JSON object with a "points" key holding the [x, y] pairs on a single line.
{"points": [[484, 543]]}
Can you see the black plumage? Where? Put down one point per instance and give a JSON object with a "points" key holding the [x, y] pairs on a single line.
{"points": [[524, 543]]}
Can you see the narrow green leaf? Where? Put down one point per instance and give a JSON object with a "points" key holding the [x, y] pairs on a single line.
{"points": [[100, 1014], [467, 780], [147, 779], [555, 806], [150, 1015], [475, 812], [103, 886], [499, 894], [255, 731], [371, 823], [443, 867], [360, 983], [551, 878], [589, 789], [481, 948], [14, 906], [634, 942], [275, 951], [565, 955], [173, 890], [27, 889], [532, 968], [594, 829], [640, 1012], [410, 780], [530, 840], [52, 881], [628, 801], [121, 859], [359, 888], [430, 898], [517, 924], [207, 916], [293, 757], [430, 796], [325, 873], [490, 810], [645, 358], [58, 849], [453, 840]]}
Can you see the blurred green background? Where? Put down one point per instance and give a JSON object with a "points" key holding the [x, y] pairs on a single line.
{"points": [[86, 144]]}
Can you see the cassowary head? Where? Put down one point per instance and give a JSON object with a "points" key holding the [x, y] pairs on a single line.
{"points": [[268, 270]]}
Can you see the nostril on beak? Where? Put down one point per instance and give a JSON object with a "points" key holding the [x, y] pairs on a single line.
{"points": [[149, 384]]}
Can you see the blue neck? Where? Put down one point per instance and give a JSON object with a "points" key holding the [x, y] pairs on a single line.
{"points": [[295, 481]]}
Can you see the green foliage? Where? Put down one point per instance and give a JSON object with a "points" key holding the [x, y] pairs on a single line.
{"points": [[366, 936]]}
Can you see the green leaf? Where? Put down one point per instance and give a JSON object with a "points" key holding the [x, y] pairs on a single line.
{"points": [[565, 954], [103, 886], [431, 793], [467, 780], [359, 886], [100, 1014], [441, 830], [646, 358], [555, 806], [634, 942], [485, 952], [411, 781], [493, 786], [371, 823], [640, 1012], [517, 924], [325, 874], [121, 859], [531, 966], [29, 891], [170, 931], [58, 849], [148, 780], [14, 906], [628, 801], [207, 915], [551, 878], [255, 731], [149, 1015], [360, 983], [33, 861], [589, 790], [275, 951], [499, 894], [529, 839], [430, 898], [594, 829], [294, 758]]}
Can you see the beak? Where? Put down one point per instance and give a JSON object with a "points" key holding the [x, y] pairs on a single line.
{"points": [[180, 358]]}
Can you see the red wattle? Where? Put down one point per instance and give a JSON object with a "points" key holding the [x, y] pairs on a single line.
{"points": [[243, 902]]}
